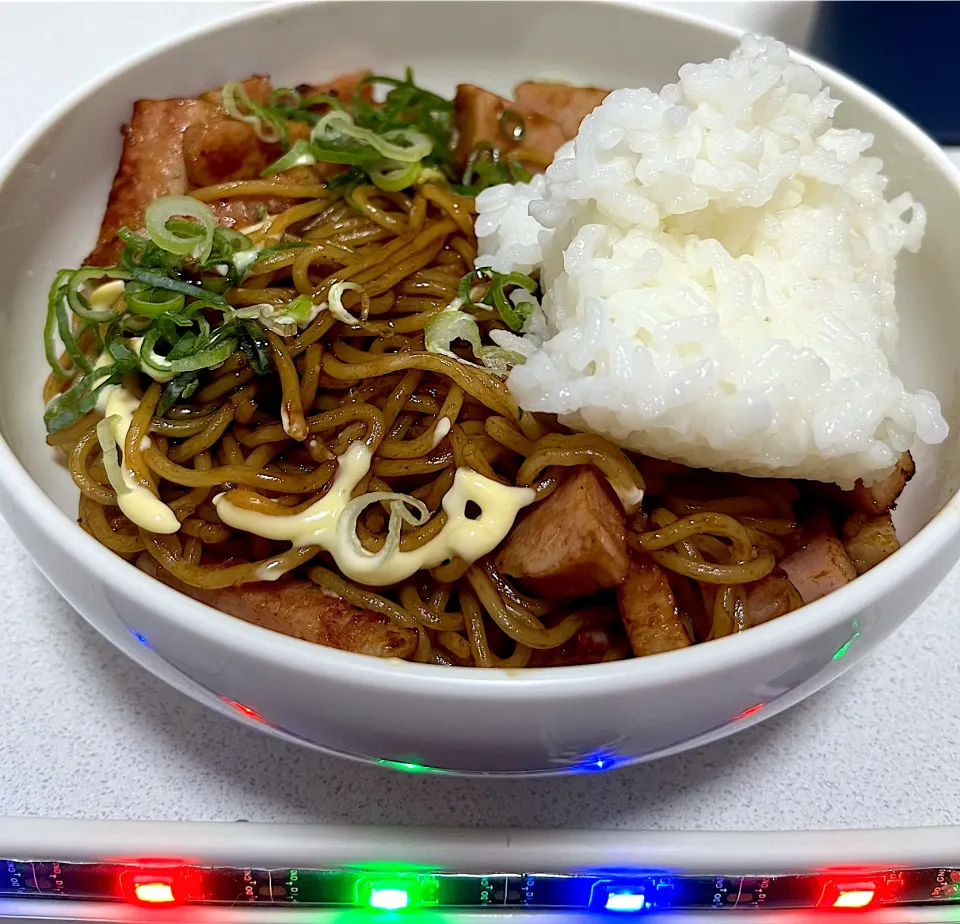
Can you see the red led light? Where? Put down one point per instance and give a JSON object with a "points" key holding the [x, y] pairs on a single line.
{"points": [[245, 710], [154, 886], [853, 898], [154, 893], [852, 895], [749, 711]]}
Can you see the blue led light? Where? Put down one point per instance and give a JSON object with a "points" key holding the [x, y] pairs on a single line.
{"points": [[140, 638], [626, 901], [599, 761]]}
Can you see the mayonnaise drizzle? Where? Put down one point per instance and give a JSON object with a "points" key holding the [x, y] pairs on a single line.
{"points": [[139, 504], [441, 430], [324, 525]]}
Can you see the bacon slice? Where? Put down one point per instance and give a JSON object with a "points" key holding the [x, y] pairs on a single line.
{"points": [[820, 567], [649, 610], [869, 540], [566, 105], [770, 597], [478, 116], [302, 610], [880, 497]]}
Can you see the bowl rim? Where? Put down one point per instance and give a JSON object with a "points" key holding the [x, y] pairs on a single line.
{"points": [[394, 676]]}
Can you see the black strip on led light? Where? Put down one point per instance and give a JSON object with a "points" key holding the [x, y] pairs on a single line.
{"points": [[618, 893]]}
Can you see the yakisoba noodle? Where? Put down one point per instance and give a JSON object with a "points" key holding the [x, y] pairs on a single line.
{"points": [[273, 444]]}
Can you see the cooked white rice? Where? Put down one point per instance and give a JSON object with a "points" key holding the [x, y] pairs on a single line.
{"points": [[717, 263]]}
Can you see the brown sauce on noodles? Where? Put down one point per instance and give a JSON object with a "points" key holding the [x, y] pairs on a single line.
{"points": [[272, 441]]}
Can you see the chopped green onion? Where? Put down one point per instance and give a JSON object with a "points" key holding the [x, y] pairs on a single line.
{"points": [[229, 240], [287, 103], [299, 309], [71, 405], [193, 240], [396, 177], [284, 320], [179, 388], [404, 508], [407, 106], [243, 260], [281, 96], [175, 285], [278, 248], [125, 357], [67, 338], [449, 325], [335, 302], [514, 316], [255, 346], [82, 396], [320, 99], [56, 294], [109, 446], [81, 304], [487, 167], [201, 359], [268, 127], [299, 155], [452, 324], [346, 151], [346, 181], [337, 124], [151, 301]]}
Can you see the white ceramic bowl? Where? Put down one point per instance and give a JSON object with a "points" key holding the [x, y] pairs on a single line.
{"points": [[52, 193]]}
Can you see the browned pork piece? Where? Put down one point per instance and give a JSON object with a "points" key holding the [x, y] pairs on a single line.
{"points": [[484, 116], [649, 611], [572, 544], [342, 88], [819, 567], [172, 146], [881, 497], [769, 598], [300, 609], [869, 540], [561, 102]]}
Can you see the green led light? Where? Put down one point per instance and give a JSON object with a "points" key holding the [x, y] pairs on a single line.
{"points": [[389, 898], [409, 767], [845, 647]]}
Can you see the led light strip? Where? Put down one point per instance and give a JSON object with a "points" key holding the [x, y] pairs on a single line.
{"points": [[396, 890]]}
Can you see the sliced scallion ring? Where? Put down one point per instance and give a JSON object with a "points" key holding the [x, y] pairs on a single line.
{"points": [[151, 301], [335, 303], [68, 336], [201, 359], [299, 155], [265, 125], [286, 96], [346, 151], [55, 296], [337, 122], [88, 306], [394, 177], [196, 244]]}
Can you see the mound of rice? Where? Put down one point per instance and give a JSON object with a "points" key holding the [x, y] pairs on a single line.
{"points": [[717, 263]]}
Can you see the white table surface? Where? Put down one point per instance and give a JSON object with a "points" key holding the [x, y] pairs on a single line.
{"points": [[84, 733]]}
